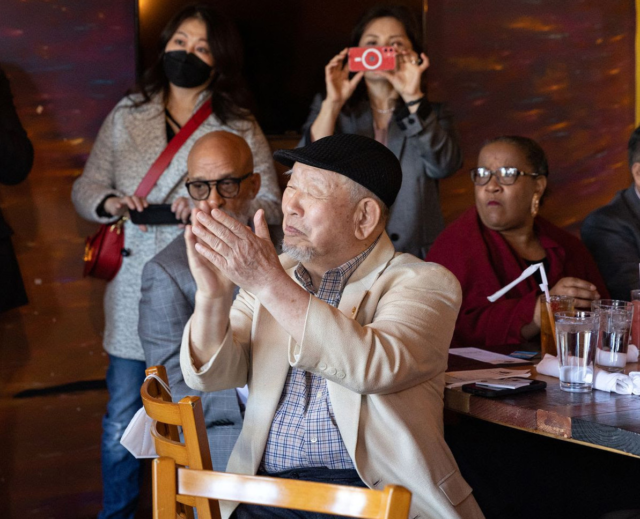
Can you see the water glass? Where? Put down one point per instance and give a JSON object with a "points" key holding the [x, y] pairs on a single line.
{"points": [[576, 337], [635, 328], [616, 318], [557, 304]]}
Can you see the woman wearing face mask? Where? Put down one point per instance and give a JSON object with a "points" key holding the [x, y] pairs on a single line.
{"points": [[199, 62], [392, 107]]}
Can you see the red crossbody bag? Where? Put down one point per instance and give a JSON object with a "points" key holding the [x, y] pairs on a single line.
{"points": [[103, 251]]}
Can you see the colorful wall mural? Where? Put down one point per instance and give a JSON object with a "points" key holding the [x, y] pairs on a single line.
{"points": [[559, 72]]}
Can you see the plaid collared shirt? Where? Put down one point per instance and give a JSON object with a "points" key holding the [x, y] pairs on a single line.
{"points": [[304, 432]]}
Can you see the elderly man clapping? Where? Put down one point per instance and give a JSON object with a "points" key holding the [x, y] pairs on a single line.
{"points": [[342, 341]]}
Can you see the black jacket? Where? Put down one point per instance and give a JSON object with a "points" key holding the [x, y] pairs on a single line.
{"points": [[16, 159]]}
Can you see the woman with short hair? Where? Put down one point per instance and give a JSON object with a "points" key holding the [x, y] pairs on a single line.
{"points": [[492, 243]]}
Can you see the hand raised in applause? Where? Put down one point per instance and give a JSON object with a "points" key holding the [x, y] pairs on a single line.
{"points": [[247, 259], [212, 284]]}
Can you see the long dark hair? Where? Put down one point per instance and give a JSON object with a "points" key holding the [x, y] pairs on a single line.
{"points": [[400, 13], [230, 98]]}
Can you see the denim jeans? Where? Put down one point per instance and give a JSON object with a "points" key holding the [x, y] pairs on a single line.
{"points": [[121, 472], [347, 477]]}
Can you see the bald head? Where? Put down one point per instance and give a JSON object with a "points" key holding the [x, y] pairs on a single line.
{"points": [[222, 156], [221, 149]]}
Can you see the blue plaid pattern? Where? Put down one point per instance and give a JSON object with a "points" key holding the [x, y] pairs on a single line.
{"points": [[304, 432]]}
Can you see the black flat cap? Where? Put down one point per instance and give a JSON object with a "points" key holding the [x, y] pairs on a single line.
{"points": [[359, 158]]}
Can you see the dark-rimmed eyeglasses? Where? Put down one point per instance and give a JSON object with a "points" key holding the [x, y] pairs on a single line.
{"points": [[504, 176], [226, 188]]}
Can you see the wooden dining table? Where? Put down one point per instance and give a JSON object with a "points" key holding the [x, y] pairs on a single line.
{"points": [[597, 419]]}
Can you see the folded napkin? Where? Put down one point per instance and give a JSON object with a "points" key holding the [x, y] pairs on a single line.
{"points": [[549, 366], [635, 378], [613, 382], [603, 380]]}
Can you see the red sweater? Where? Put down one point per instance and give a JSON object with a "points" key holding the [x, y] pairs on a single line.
{"points": [[484, 262]]}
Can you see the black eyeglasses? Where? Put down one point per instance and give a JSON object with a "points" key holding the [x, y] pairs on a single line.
{"points": [[226, 188], [504, 176]]}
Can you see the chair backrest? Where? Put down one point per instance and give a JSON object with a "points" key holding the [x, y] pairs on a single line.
{"points": [[393, 502], [193, 453]]}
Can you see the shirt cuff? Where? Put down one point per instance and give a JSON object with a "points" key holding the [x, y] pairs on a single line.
{"points": [[205, 367], [413, 123], [100, 211]]}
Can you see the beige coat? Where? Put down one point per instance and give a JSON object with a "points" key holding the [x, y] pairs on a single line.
{"points": [[383, 353]]}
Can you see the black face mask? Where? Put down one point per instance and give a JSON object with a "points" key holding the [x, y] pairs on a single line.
{"points": [[185, 70]]}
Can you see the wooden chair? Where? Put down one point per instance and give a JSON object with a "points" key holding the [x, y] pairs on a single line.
{"points": [[171, 483], [194, 452]]}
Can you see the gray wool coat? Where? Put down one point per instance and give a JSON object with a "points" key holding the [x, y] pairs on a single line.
{"points": [[128, 143], [427, 147]]}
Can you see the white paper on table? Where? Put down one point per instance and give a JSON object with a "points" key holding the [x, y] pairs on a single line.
{"points": [[459, 378], [486, 356]]}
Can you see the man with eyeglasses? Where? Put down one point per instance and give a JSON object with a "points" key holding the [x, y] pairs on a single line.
{"points": [[342, 340], [220, 175]]}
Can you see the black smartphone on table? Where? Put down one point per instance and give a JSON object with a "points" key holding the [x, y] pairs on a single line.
{"points": [[490, 391], [154, 214]]}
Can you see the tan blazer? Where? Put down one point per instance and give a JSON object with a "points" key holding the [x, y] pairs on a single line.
{"points": [[383, 353]]}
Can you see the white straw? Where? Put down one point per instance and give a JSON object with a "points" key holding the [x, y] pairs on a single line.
{"points": [[544, 286], [525, 274]]}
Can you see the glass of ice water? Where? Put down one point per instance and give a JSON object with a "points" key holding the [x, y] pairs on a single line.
{"points": [[616, 318], [576, 337]]}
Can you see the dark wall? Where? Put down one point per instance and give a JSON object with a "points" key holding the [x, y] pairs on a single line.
{"points": [[559, 72], [69, 62], [287, 44]]}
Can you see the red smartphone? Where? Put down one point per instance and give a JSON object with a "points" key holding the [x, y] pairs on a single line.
{"points": [[372, 58]]}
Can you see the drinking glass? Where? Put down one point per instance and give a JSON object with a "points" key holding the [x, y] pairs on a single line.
{"points": [[558, 304], [577, 337], [635, 328], [616, 317]]}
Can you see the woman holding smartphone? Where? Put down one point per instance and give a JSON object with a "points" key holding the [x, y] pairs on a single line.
{"points": [[392, 107], [199, 62]]}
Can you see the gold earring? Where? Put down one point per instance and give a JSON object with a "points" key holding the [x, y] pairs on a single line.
{"points": [[535, 205]]}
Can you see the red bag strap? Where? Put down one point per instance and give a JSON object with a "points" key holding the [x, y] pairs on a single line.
{"points": [[163, 161]]}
